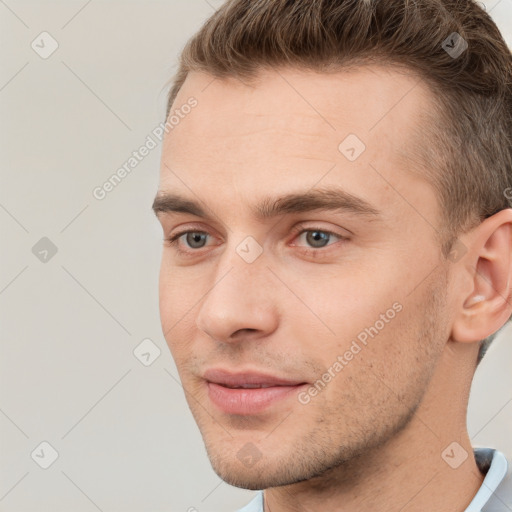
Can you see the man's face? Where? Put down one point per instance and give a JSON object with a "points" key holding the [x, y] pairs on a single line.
{"points": [[353, 321]]}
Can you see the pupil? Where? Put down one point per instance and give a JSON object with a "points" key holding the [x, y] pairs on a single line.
{"points": [[314, 235], [195, 237]]}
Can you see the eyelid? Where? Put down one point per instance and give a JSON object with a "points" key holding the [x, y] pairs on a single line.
{"points": [[176, 236], [296, 229], [303, 226]]}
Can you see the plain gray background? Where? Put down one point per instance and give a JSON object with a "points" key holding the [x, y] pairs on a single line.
{"points": [[70, 322]]}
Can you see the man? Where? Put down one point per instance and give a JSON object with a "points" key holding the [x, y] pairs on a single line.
{"points": [[337, 250]]}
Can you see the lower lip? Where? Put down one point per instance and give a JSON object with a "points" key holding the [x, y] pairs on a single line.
{"points": [[248, 401]]}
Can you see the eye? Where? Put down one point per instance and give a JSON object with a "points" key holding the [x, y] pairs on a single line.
{"points": [[316, 238], [194, 239]]}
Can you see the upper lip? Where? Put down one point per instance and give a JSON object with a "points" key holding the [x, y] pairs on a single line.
{"points": [[229, 378]]}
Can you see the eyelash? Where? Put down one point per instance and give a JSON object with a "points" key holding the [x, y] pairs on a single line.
{"points": [[173, 240]]}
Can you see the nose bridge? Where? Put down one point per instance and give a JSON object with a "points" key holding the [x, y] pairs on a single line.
{"points": [[241, 266], [239, 294]]}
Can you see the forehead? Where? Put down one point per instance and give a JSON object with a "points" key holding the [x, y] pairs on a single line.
{"points": [[364, 98], [294, 127]]}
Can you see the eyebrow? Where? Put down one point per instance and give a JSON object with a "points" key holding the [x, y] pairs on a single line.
{"points": [[329, 199]]}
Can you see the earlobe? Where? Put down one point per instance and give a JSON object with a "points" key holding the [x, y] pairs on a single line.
{"points": [[472, 320]]}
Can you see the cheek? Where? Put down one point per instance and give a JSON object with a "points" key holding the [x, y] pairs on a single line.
{"points": [[340, 304], [167, 290], [379, 371], [178, 286], [361, 332], [178, 294]]}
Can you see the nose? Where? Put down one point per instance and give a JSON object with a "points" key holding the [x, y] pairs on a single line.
{"points": [[239, 304]]}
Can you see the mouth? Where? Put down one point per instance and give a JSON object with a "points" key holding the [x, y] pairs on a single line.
{"points": [[248, 386], [248, 393]]}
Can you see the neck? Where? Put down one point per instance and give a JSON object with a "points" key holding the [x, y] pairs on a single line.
{"points": [[416, 470]]}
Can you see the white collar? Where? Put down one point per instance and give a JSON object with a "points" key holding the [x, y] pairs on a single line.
{"points": [[494, 465]]}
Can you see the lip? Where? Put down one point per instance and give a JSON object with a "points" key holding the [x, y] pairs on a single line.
{"points": [[225, 377], [247, 401]]}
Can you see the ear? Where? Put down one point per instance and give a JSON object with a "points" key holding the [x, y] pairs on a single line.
{"points": [[488, 267]]}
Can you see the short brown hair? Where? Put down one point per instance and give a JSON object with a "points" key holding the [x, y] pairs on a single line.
{"points": [[465, 148]]}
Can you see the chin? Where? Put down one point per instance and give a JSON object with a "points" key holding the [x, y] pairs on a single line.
{"points": [[243, 478], [261, 474], [253, 475]]}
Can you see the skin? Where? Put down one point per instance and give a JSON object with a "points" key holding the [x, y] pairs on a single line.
{"points": [[372, 439]]}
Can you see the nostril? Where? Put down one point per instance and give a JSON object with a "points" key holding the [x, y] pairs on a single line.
{"points": [[243, 332]]}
